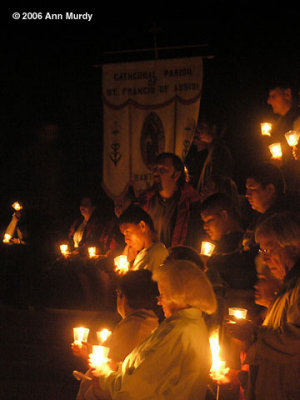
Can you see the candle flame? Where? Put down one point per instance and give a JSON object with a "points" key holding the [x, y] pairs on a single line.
{"points": [[121, 263], [266, 128], [17, 206], [103, 335], [92, 252], [292, 138], [207, 248], [275, 150], [240, 313], [218, 370], [99, 356], [80, 335], [6, 238], [64, 248]]}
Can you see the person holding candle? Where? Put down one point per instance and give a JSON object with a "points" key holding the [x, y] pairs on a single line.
{"points": [[174, 361], [222, 224], [282, 99], [17, 227], [274, 356], [136, 304], [141, 240]]}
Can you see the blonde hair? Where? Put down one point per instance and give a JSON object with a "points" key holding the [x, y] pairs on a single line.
{"points": [[187, 285]]}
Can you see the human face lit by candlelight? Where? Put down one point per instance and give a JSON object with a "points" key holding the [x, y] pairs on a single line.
{"points": [[265, 289], [165, 175], [134, 235], [280, 100], [259, 197], [168, 306], [86, 208], [279, 259], [214, 223]]}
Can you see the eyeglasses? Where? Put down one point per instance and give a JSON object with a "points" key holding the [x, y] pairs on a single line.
{"points": [[267, 252], [264, 252]]}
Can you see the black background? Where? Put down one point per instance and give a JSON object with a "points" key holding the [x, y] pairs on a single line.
{"points": [[51, 72]]}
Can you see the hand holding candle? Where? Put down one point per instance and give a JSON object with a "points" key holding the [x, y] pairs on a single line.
{"points": [[92, 252], [292, 137], [64, 248], [266, 128], [6, 238], [122, 265], [98, 358], [80, 335], [276, 151], [239, 313], [218, 370]]}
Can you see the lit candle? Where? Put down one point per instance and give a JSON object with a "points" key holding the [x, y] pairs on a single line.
{"points": [[207, 248], [64, 248], [6, 238], [92, 252], [240, 313], [80, 335], [99, 356], [17, 206], [266, 128], [103, 335], [292, 137], [121, 263], [218, 368], [276, 151]]}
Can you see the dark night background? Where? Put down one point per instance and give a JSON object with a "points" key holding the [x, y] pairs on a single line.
{"points": [[51, 77], [51, 73]]}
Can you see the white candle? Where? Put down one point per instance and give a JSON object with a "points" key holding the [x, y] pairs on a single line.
{"points": [[207, 248], [6, 238], [92, 252], [276, 151], [240, 313], [17, 206], [99, 356], [64, 248], [292, 137], [80, 335], [121, 263], [218, 370], [266, 128]]}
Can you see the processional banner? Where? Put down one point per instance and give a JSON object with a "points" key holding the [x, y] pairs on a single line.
{"points": [[149, 107]]}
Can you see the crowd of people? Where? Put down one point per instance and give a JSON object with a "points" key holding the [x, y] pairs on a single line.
{"points": [[254, 265]]}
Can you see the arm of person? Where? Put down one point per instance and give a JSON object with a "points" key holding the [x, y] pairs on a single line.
{"points": [[280, 344]]}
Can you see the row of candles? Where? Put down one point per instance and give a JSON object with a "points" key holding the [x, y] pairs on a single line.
{"points": [[99, 356], [292, 138], [121, 263]]}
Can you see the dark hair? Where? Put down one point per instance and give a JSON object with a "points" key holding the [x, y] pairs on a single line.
{"points": [[219, 202], [188, 253], [284, 84], [139, 289], [177, 164], [265, 174], [134, 215], [224, 184]]}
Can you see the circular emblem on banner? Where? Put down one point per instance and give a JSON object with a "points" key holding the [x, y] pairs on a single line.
{"points": [[152, 139]]}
